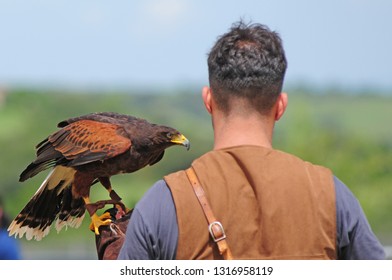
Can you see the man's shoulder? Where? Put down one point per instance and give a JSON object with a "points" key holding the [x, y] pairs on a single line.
{"points": [[355, 238], [261, 151], [158, 192], [152, 231], [296, 158]]}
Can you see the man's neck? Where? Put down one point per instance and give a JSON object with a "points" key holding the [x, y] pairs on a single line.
{"points": [[237, 131]]}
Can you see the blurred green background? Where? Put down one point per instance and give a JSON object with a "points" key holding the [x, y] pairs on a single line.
{"points": [[349, 132]]}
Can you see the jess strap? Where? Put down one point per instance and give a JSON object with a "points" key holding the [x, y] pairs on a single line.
{"points": [[215, 228]]}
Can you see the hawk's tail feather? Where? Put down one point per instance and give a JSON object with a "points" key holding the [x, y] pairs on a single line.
{"points": [[52, 202], [34, 220], [71, 213]]}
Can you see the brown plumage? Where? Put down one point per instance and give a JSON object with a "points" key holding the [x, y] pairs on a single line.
{"points": [[84, 150]]}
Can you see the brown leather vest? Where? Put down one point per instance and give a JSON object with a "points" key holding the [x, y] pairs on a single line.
{"points": [[272, 206]]}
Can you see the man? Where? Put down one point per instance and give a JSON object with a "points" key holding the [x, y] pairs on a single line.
{"points": [[272, 205]]}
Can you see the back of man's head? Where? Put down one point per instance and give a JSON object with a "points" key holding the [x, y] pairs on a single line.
{"points": [[247, 63]]}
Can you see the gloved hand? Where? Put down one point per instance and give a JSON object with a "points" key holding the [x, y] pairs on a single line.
{"points": [[111, 237]]}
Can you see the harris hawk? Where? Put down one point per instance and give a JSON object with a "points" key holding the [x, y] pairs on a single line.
{"points": [[85, 150]]}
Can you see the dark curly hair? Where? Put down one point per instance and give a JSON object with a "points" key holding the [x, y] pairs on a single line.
{"points": [[247, 62]]}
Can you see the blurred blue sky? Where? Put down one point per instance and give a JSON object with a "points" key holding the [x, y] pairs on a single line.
{"points": [[83, 43]]}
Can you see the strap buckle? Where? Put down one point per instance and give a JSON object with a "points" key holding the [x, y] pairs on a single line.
{"points": [[217, 232]]}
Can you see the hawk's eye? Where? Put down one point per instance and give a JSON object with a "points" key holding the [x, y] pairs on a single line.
{"points": [[169, 135]]}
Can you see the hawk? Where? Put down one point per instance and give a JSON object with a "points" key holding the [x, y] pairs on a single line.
{"points": [[85, 150]]}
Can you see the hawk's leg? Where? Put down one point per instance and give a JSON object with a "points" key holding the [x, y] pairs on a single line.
{"points": [[105, 181], [95, 219], [93, 207]]}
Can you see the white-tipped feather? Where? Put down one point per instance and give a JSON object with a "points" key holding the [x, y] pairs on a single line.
{"points": [[22, 231], [12, 228], [58, 174], [72, 222], [29, 233]]}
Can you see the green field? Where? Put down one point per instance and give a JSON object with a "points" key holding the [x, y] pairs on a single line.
{"points": [[351, 134]]}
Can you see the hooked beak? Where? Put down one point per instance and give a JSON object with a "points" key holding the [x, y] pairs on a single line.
{"points": [[180, 139]]}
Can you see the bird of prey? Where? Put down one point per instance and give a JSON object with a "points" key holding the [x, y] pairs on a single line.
{"points": [[85, 150]]}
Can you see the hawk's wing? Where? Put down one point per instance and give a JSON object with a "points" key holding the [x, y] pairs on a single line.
{"points": [[79, 143], [85, 141]]}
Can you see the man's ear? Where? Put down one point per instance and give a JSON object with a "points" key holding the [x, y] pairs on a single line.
{"points": [[281, 105], [207, 98]]}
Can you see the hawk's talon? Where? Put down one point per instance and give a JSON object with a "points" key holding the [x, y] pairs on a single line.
{"points": [[97, 221]]}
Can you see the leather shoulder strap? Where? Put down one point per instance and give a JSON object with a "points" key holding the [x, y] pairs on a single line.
{"points": [[215, 227]]}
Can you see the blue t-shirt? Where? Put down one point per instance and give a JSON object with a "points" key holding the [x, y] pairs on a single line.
{"points": [[153, 231], [9, 248]]}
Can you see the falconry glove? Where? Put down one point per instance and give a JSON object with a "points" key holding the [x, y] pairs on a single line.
{"points": [[111, 237]]}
